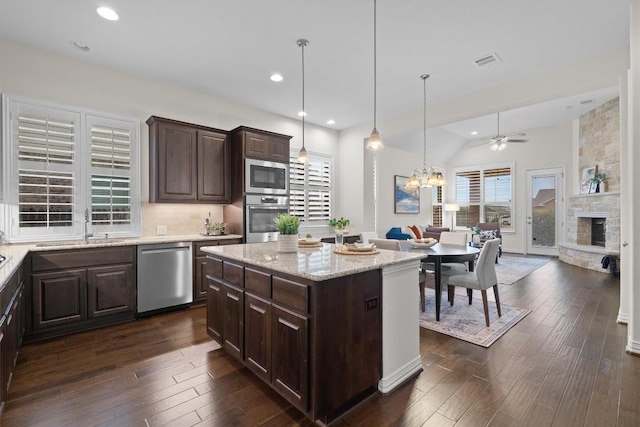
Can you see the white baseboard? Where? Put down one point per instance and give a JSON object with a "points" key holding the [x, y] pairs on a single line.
{"points": [[622, 318], [633, 347], [393, 380]]}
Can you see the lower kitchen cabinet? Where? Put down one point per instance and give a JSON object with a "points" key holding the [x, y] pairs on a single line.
{"points": [[73, 290], [290, 353], [257, 340], [233, 323], [11, 330], [200, 285], [318, 344]]}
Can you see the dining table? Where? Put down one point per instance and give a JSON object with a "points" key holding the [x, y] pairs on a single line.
{"points": [[442, 253]]}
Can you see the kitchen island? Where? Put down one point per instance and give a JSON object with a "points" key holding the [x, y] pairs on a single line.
{"points": [[325, 330]]}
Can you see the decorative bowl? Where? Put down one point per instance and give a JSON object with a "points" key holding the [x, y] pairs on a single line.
{"points": [[422, 243], [309, 240], [362, 245]]}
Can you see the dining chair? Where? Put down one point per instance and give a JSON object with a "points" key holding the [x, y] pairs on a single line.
{"points": [[391, 244], [394, 245], [366, 236], [449, 238], [483, 278]]}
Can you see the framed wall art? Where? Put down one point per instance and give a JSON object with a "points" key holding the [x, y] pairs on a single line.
{"points": [[407, 201], [587, 175]]}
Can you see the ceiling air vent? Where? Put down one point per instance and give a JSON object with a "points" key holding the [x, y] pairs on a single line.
{"points": [[488, 61], [587, 101]]}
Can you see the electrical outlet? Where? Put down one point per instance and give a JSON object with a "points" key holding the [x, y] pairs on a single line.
{"points": [[161, 230]]}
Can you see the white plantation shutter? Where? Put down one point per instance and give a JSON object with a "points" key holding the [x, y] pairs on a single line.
{"points": [[484, 195], [59, 161], [46, 143], [311, 188], [110, 172]]}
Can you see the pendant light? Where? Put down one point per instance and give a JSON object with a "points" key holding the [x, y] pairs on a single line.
{"points": [[428, 176], [302, 155], [375, 143]]}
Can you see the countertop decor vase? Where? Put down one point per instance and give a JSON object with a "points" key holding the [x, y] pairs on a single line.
{"points": [[288, 243], [288, 228]]}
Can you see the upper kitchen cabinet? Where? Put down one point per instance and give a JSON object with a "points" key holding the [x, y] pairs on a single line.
{"points": [[259, 144], [187, 163]]}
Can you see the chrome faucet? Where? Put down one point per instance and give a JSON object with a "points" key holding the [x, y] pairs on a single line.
{"points": [[86, 226]]}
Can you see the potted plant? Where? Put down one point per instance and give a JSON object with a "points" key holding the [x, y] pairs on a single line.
{"points": [[288, 226], [596, 183], [340, 225], [215, 228]]}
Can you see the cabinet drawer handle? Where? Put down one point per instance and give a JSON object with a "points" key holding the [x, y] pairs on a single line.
{"points": [[258, 309], [233, 297], [289, 324], [215, 288], [9, 319]]}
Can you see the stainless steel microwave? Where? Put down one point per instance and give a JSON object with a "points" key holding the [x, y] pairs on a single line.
{"points": [[264, 177]]}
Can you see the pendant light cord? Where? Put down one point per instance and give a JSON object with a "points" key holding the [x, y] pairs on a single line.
{"points": [[424, 78], [304, 113], [374, 64]]}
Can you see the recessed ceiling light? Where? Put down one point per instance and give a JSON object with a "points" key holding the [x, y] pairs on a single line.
{"points": [[276, 77], [81, 46], [474, 132], [331, 122], [108, 13], [302, 113]]}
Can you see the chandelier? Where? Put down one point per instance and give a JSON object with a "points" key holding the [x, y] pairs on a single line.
{"points": [[428, 176]]}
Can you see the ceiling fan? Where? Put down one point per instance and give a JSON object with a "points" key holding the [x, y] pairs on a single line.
{"points": [[499, 141]]}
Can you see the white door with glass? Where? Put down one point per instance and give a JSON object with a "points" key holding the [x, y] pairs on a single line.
{"points": [[544, 218]]}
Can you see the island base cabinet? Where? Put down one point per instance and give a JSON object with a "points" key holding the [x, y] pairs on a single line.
{"points": [[290, 360], [257, 340], [233, 324], [215, 309], [318, 344]]}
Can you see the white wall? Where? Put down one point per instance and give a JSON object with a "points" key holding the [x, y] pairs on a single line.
{"points": [[547, 147], [29, 72]]}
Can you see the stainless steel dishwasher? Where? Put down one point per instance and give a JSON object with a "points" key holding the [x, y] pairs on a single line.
{"points": [[165, 276]]}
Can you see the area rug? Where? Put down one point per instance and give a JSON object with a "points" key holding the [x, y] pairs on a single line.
{"points": [[511, 268], [466, 322]]}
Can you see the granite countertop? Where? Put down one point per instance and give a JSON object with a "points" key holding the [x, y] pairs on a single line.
{"points": [[316, 264], [16, 253]]}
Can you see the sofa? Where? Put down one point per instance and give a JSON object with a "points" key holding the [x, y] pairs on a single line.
{"points": [[402, 233]]}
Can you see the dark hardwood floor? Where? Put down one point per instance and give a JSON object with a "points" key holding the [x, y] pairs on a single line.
{"points": [[563, 365]]}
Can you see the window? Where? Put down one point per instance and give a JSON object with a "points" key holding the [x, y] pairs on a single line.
{"points": [[311, 189], [60, 162], [485, 195], [437, 207]]}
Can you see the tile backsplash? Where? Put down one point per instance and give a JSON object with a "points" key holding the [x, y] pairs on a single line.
{"points": [[178, 218]]}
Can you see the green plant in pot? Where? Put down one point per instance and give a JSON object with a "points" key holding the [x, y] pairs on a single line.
{"points": [[340, 225], [288, 226], [595, 182]]}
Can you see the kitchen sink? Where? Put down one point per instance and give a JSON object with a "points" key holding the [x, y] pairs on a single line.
{"points": [[78, 242]]}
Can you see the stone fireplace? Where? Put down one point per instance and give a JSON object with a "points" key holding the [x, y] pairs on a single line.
{"points": [[593, 229]]}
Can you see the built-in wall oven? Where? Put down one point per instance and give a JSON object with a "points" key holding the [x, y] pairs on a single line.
{"points": [[260, 211], [266, 177]]}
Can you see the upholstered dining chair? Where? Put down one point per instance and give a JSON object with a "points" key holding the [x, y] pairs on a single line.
{"points": [[483, 278], [391, 244], [394, 245], [449, 238], [365, 236]]}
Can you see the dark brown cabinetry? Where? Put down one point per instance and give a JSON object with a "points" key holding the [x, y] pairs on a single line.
{"points": [[262, 145], [317, 343], [187, 163], [73, 290], [200, 265], [11, 329]]}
